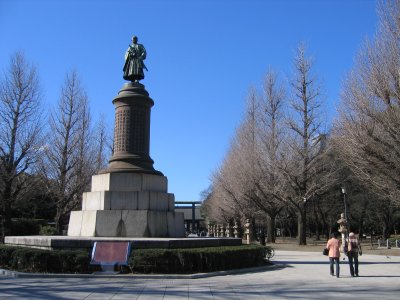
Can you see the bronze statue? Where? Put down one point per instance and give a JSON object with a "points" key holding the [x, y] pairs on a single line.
{"points": [[134, 65]]}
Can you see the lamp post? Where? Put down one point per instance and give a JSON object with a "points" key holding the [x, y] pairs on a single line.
{"points": [[344, 201], [343, 221]]}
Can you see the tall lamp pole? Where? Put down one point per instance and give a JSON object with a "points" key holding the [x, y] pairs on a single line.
{"points": [[344, 202], [343, 221]]}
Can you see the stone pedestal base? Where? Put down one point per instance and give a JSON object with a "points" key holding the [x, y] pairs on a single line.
{"points": [[68, 242], [127, 205], [126, 223]]}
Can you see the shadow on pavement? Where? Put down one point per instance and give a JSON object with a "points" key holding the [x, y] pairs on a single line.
{"points": [[380, 276], [296, 262]]}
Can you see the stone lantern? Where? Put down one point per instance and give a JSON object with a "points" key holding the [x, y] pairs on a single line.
{"points": [[343, 228], [235, 230], [228, 230], [247, 227], [210, 230]]}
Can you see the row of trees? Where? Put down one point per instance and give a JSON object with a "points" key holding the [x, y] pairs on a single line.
{"points": [[283, 162], [46, 157], [279, 156]]}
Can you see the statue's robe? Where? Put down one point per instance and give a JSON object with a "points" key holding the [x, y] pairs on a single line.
{"points": [[134, 65]]}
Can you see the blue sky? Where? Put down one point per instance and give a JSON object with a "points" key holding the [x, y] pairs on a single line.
{"points": [[203, 56]]}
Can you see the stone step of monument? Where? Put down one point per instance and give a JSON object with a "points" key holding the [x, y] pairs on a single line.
{"points": [[134, 182], [126, 223], [128, 200], [82, 242]]}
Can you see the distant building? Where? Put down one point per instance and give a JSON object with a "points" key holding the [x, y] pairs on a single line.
{"points": [[194, 222]]}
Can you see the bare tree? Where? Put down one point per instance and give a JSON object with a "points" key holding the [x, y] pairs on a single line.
{"points": [[272, 163], [304, 145], [271, 133], [21, 130], [70, 159], [367, 131], [244, 182], [233, 183], [102, 144], [329, 177]]}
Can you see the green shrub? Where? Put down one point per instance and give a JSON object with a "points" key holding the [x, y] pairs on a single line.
{"points": [[191, 260], [45, 261], [194, 260], [48, 230], [5, 255], [24, 227]]}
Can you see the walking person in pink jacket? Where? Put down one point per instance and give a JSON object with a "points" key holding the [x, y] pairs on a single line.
{"points": [[333, 246]]}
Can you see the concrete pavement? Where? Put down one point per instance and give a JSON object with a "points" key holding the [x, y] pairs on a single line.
{"points": [[296, 275]]}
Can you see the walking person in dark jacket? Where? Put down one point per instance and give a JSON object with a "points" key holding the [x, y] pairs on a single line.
{"points": [[353, 250]]}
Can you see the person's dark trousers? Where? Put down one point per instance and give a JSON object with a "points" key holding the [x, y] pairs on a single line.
{"points": [[336, 260], [353, 263]]}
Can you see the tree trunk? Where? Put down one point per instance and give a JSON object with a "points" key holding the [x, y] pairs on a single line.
{"points": [[3, 222], [384, 230], [362, 220], [317, 223], [253, 231], [57, 221], [271, 229], [301, 228], [329, 231], [317, 233], [361, 227], [6, 213]]}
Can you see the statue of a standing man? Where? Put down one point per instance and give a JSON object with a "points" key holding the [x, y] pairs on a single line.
{"points": [[134, 65]]}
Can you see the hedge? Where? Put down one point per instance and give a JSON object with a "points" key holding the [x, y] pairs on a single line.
{"points": [[194, 260], [45, 261], [191, 260], [24, 227], [48, 230]]}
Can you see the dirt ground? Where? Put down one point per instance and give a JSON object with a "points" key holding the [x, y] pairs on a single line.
{"points": [[318, 246]]}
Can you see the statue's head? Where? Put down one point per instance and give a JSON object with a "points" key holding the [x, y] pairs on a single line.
{"points": [[134, 39]]}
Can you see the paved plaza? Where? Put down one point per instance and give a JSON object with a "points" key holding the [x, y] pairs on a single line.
{"points": [[295, 275]]}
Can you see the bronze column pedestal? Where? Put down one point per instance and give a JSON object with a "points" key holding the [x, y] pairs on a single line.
{"points": [[132, 132]]}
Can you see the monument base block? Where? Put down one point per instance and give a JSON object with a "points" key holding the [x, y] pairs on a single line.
{"points": [[127, 205], [126, 223], [70, 242]]}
